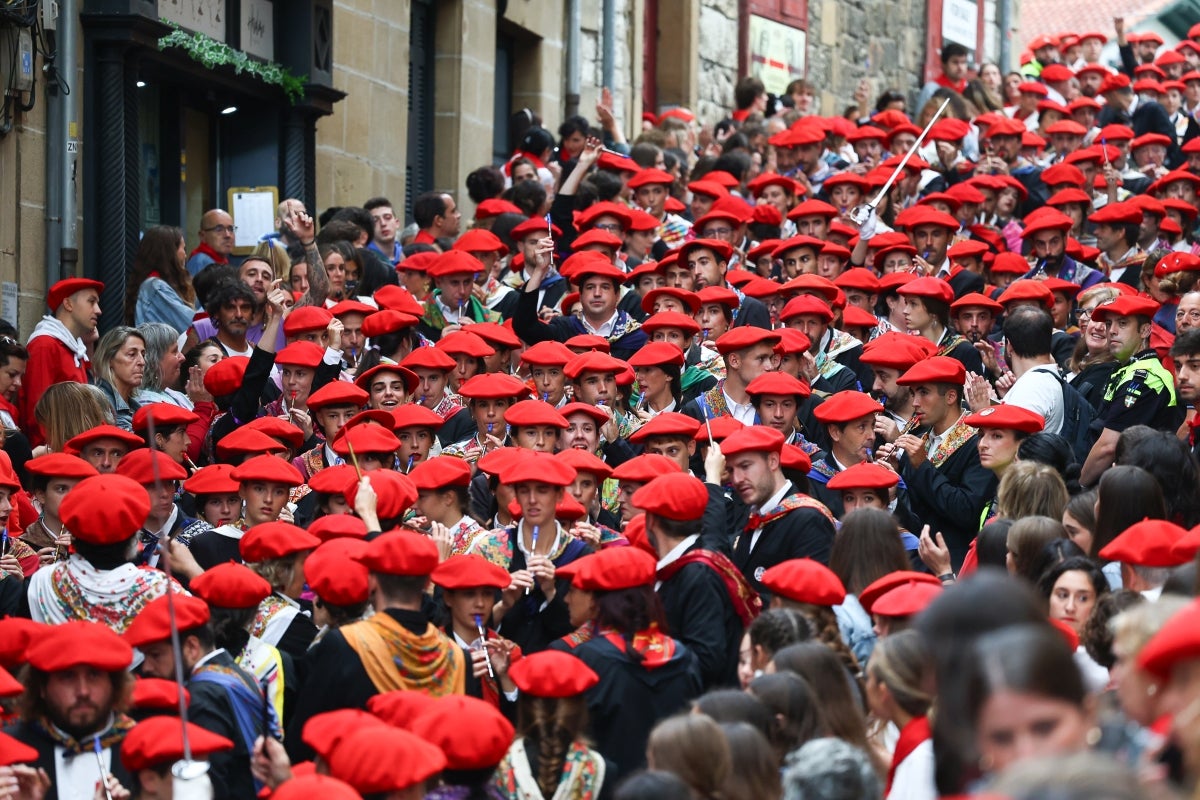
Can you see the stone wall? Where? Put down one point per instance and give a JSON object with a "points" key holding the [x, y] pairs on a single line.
{"points": [[626, 96], [882, 40], [718, 46]]}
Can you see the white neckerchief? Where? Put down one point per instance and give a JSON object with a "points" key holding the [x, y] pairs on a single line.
{"points": [[54, 329]]}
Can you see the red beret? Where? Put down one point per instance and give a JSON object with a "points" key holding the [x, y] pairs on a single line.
{"points": [[470, 571], [552, 674], [493, 386], [464, 343], [230, 585], [306, 319], [670, 423], [67, 287], [154, 622], [671, 319], [583, 461], [846, 406], [547, 353], [918, 216], [908, 598], [753, 439], [105, 509], [271, 540], [657, 354], [16, 634], [592, 362], [534, 412], [389, 320], [350, 307], [429, 358], [411, 381], [494, 207], [415, 415], [1009, 264], [286, 432], [14, 751], [797, 242], [1068, 196], [472, 733], [334, 573], [1149, 543], [480, 240], [939, 369], [745, 337], [338, 393], [417, 262], [337, 526], [80, 643], [1006, 417], [159, 740], [1026, 291], [690, 299], [1117, 214], [932, 288], [812, 208], [226, 376], [365, 439], [721, 429], [381, 760], [305, 787], [400, 552], [858, 278], [454, 262], [247, 441], [975, 300], [806, 305], [82, 440], [865, 475], [60, 465], [584, 342], [535, 467], [163, 415], [677, 496], [610, 570], [158, 694], [1170, 263], [778, 383], [394, 493], [498, 336], [440, 473], [805, 581], [324, 731], [534, 225], [722, 250], [896, 350], [649, 176], [1128, 305], [267, 469], [645, 468], [150, 466], [1177, 642], [1049, 220], [1005, 127], [301, 354]]}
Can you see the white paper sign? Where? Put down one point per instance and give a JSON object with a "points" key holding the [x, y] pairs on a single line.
{"points": [[201, 16], [258, 28], [253, 216], [960, 22]]}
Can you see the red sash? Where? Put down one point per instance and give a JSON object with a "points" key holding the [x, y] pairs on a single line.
{"points": [[655, 647], [746, 601], [911, 737]]}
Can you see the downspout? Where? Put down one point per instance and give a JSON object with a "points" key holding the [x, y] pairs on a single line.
{"points": [[62, 149], [608, 64], [574, 21], [1006, 14]]}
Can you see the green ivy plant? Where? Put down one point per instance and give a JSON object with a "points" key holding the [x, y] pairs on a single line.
{"points": [[211, 53]]}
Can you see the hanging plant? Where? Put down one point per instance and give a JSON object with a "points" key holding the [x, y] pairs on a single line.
{"points": [[211, 53]]}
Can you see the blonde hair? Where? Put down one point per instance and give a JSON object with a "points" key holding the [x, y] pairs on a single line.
{"points": [[1137, 624], [67, 409], [1030, 489]]}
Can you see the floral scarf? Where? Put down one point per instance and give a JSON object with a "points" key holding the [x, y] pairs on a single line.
{"points": [[396, 659]]}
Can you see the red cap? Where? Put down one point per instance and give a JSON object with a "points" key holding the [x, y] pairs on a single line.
{"points": [[365, 439], [163, 415], [494, 207], [472, 733], [1117, 214], [230, 585], [470, 571], [586, 341], [1171, 263], [267, 469], [67, 287], [552, 674], [1009, 418], [591, 362], [480, 240], [812, 208], [1177, 642], [158, 694], [611, 570], [334, 573], [1128, 305], [846, 406], [896, 351], [864, 475], [657, 354], [414, 415], [394, 493], [337, 526], [649, 176], [379, 760], [1010, 264], [105, 509], [149, 466], [858, 278], [753, 439], [1024, 291], [159, 740], [76, 443], [438, 474], [454, 262], [401, 553], [583, 461], [1048, 220], [280, 429], [932, 288], [689, 299], [1149, 543], [79, 643], [805, 305], [306, 319], [339, 393], [670, 423], [411, 381], [745, 337], [493, 386], [397, 298], [350, 306], [677, 496], [797, 242], [247, 441], [271, 540], [534, 467], [548, 353], [778, 383], [301, 354], [939, 369], [975, 300], [645, 468], [226, 376], [907, 599], [60, 465], [154, 622], [805, 581]]}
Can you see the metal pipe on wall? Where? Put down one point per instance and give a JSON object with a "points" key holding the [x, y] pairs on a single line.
{"points": [[608, 64], [1005, 22], [572, 56], [62, 150]]}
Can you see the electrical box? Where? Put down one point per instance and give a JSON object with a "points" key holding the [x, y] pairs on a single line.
{"points": [[20, 41]]}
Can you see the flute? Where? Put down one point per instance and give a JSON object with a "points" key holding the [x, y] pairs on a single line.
{"points": [[483, 644], [912, 424]]}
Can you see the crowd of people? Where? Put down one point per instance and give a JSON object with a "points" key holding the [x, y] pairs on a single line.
{"points": [[788, 457]]}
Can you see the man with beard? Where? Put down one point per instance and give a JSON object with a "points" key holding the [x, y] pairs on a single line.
{"points": [[230, 309], [76, 689], [1186, 354], [1048, 233], [889, 357]]}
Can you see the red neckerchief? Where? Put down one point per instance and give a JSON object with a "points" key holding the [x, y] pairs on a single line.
{"points": [[911, 737], [942, 80], [208, 251], [655, 647], [1193, 424], [746, 601]]}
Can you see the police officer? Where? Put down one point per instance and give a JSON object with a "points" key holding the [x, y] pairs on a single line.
{"points": [[1141, 390]]}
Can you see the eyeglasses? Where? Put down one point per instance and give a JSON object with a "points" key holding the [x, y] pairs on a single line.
{"points": [[712, 233], [222, 229], [611, 227], [1084, 314]]}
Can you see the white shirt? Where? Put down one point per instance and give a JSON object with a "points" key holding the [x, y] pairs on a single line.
{"points": [[449, 314], [772, 501], [677, 551], [75, 777], [601, 330], [161, 533], [1038, 390], [914, 775], [743, 413]]}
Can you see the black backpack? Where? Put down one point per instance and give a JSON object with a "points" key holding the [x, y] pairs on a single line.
{"points": [[1078, 416]]}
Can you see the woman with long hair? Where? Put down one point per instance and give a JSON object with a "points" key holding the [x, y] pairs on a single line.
{"points": [[1027, 538], [159, 287], [119, 366], [693, 747], [798, 712], [1125, 496], [1031, 489], [756, 776], [1092, 364], [551, 758], [899, 689], [67, 409]]}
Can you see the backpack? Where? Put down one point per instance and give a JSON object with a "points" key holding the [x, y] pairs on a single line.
{"points": [[1078, 416]]}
